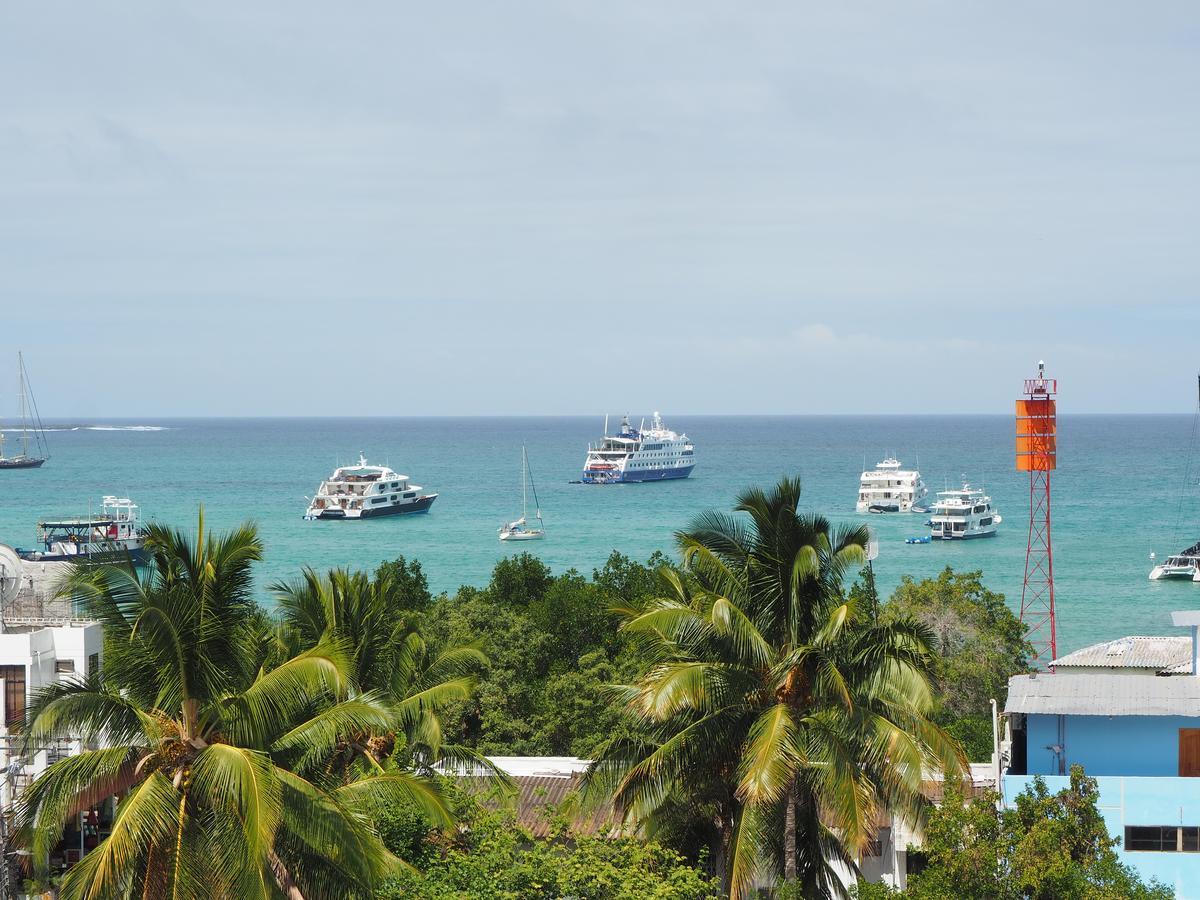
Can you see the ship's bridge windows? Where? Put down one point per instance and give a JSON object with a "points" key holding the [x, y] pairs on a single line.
{"points": [[410, 494]]}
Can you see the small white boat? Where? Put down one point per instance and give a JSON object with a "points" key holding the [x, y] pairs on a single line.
{"points": [[521, 530], [965, 513], [1181, 565]]}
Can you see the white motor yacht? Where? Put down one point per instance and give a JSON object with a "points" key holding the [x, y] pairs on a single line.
{"points": [[364, 491], [891, 488], [1181, 565], [964, 513]]}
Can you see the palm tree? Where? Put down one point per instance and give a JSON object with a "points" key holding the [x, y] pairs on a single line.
{"points": [[390, 658], [216, 759], [774, 703]]}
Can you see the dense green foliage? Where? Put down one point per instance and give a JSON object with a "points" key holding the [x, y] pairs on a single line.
{"points": [[553, 648], [1046, 847], [771, 704], [491, 858], [242, 771], [980, 644]]}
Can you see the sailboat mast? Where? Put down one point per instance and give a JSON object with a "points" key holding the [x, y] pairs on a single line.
{"points": [[24, 413], [524, 478]]}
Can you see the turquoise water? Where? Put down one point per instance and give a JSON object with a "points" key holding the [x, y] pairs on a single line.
{"points": [[1117, 494]]}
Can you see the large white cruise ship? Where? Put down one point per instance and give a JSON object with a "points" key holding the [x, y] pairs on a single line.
{"points": [[364, 491], [639, 454], [890, 488]]}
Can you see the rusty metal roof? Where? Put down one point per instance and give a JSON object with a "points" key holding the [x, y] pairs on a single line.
{"points": [[1157, 653]]}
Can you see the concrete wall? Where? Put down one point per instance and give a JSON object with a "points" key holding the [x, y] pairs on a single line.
{"points": [[1141, 801], [1104, 745]]}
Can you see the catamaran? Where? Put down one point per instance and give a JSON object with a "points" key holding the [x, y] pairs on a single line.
{"points": [[521, 530], [891, 488], [29, 416], [364, 491]]}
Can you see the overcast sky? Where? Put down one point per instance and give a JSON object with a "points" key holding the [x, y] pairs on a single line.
{"points": [[572, 207]]}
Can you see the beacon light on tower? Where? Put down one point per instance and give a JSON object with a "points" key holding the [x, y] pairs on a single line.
{"points": [[1037, 454]]}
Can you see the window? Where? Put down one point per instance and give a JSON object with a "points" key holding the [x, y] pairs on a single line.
{"points": [[1162, 838], [64, 666], [14, 694], [93, 664]]}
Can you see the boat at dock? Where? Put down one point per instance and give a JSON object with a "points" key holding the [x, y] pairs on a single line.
{"points": [[889, 487], [364, 491], [113, 535], [31, 423], [639, 454], [520, 529], [963, 513]]}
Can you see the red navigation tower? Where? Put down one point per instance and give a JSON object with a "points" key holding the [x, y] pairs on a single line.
{"points": [[1037, 455]]}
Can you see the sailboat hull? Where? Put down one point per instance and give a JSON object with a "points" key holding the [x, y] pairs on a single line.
{"points": [[27, 462], [522, 535]]}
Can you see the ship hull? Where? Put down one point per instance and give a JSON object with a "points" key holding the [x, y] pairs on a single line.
{"points": [[136, 555], [27, 463], [672, 474], [420, 505]]}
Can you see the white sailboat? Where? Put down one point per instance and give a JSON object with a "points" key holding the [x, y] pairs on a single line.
{"points": [[521, 530]]}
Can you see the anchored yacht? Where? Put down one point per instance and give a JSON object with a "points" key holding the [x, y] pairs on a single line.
{"points": [[890, 488], [111, 535], [1181, 565], [364, 491], [964, 513], [639, 454]]}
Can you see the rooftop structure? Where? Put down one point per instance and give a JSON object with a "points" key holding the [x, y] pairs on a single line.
{"points": [[1128, 712], [1150, 655]]}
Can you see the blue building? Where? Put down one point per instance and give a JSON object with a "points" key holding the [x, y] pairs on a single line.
{"points": [[1135, 728]]}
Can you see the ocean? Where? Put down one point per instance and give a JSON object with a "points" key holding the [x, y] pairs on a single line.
{"points": [[1119, 493]]}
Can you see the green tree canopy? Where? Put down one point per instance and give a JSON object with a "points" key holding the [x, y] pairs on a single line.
{"points": [[218, 762], [493, 858], [980, 644], [773, 703], [1045, 847]]}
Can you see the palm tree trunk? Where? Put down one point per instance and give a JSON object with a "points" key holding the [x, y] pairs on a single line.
{"points": [[789, 837], [284, 878]]}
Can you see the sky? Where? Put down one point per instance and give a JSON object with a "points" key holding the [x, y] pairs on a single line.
{"points": [[568, 207]]}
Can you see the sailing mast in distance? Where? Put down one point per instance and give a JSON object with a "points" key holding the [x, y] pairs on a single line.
{"points": [[29, 415]]}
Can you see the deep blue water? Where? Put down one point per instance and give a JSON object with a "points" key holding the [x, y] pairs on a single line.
{"points": [[1118, 494]]}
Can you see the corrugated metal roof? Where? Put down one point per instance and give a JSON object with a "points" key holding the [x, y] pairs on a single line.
{"points": [[1104, 694], [1133, 653], [541, 799]]}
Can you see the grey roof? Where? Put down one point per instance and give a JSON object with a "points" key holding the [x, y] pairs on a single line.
{"points": [[1156, 653], [1104, 694]]}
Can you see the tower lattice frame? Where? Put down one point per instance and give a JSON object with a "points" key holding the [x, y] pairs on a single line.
{"points": [[1037, 454]]}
